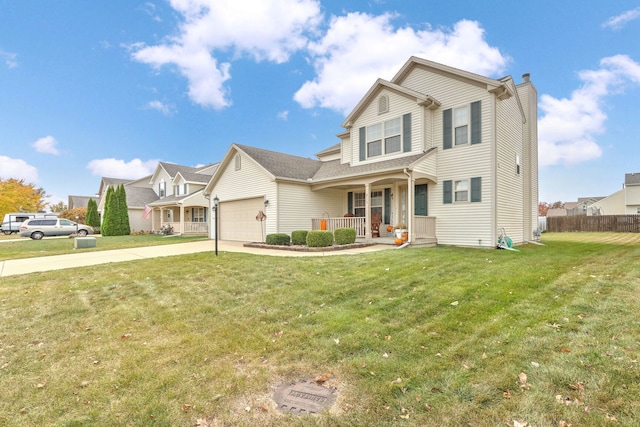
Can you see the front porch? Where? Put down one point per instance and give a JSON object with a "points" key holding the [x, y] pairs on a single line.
{"points": [[422, 230], [187, 228]]}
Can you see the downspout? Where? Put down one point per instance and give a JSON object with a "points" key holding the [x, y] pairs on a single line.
{"points": [[409, 207]]}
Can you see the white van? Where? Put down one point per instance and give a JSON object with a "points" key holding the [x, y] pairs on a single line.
{"points": [[12, 221]]}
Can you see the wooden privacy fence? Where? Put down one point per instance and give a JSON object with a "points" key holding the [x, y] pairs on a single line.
{"points": [[615, 223]]}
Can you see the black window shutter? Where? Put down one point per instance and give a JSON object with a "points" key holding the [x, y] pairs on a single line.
{"points": [[476, 125], [447, 129], [350, 202], [363, 143], [447, 196], [406, 133], [476, 189]]}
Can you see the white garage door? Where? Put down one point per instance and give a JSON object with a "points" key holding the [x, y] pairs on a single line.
{"points": [[238, 220]]}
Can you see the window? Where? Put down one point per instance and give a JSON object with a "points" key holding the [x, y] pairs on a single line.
{"points": [[460, 122], [392, 135], [198, 215], [238, 162], [176, 190], [383, 104], [374, 140], [395, 133], [517, 165], [463, 190], [66, 222], [462, 125], [162, 188], [185, 189], [359, 203]]}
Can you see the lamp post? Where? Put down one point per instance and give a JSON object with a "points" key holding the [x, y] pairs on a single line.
{"points": [[77, 218], [216, 201]]}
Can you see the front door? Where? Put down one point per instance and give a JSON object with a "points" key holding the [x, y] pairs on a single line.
{"points": [[421, 200]]}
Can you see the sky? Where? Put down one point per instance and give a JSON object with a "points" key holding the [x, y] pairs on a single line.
{"points": [[92, 89]]}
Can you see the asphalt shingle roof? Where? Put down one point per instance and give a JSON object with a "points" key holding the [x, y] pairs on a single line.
{"points": [[283, 165]]}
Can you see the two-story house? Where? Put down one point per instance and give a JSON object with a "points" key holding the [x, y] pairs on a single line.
{"points": [[171, 197], [625, 201], [449, 154]]}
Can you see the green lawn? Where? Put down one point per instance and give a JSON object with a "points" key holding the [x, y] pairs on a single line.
{"points": [[13, 247], [548, 336]]}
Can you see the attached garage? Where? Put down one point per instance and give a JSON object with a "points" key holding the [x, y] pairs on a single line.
{"points": [[238, 220]]}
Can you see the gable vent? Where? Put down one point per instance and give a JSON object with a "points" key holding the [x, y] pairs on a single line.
{"points": [[383, 104]]}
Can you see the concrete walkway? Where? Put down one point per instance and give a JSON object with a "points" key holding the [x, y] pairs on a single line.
{"points": [[84, 259]]}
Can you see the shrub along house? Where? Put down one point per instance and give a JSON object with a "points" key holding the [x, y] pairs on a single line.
{"points": [[450, 154]]}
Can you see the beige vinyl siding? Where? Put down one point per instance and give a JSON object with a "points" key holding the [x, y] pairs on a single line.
{"points": [[346, 150], [510, 185], [613, 204], [632, 195], [162, 174], [249, 182], [428, 165], [136, 223], [529, 99], [297, 204], [398, 106], [462, 223]]}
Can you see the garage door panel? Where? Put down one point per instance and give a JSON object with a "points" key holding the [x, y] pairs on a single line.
{"points": [[238, 220]]}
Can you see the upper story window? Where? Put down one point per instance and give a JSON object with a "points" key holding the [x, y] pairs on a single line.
{"points": [[388, 137], [462, 125], [162, 189], [176, 190]]}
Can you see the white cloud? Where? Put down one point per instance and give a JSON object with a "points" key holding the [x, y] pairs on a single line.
{"points": [[283, 115], [115, 168], [567, 130], [617, 22], [46, 145], [359, 48], [17, 169], [9, 59], [262, 30], [167, 110]]}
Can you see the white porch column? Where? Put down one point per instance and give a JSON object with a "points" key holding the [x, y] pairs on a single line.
{"points": [[181, 219], [367, 212]]}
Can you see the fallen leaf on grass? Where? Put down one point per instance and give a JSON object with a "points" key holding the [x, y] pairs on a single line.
{"points": [[186, 407], [523, 381], [125, 336], [435, 390], [454, 303], [517, 423], [385, 356], [41, 385], [566, 350], [321, 379], [564, 424], [506, 394], [577, 386]]}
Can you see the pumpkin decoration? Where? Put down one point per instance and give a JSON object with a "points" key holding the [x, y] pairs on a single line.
{"points": [[398, 241], [389, 228], [405, 236]]}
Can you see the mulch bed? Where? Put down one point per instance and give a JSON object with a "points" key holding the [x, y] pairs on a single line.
{"points": [[300, 248]]}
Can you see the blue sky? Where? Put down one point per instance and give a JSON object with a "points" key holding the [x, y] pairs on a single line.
{"points": [[92, 89]]}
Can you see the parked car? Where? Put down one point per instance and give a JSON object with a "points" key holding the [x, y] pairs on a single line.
{"points": [[12, 221], [37, 228]]}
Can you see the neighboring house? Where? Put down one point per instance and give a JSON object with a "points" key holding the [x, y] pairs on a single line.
{"points": [[80, 201], [451, 154], [171, 197], [180, 202], [139, 194], [623, 202]]}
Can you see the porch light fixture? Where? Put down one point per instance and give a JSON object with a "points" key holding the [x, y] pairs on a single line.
{"points": [[216, 202], [266, 203]]}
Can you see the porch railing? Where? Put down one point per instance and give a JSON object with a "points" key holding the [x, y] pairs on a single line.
{"points": [[340, 222], [424, 227], [189, 227]]}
